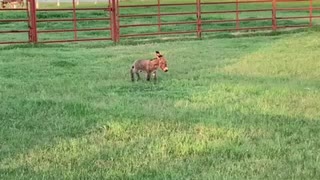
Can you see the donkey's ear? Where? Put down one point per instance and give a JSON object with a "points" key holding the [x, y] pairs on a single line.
{"points": [[158, 55]]}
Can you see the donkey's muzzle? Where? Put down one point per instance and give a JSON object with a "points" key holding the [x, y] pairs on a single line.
{"points": [[166, 70]]}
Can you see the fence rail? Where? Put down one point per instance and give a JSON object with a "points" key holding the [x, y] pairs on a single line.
{"points": [[116, 19]]}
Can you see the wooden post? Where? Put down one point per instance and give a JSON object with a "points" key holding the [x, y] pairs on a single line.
{"points": [[310, 13], [115, 21], [29, 20], [159, 17], [237, 15], [33, 34], [74, 20], [274, 15], [199, 23]]}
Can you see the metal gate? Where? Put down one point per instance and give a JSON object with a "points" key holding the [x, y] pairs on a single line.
{"points": [[10, 19], [198, 17], [59, 24]]}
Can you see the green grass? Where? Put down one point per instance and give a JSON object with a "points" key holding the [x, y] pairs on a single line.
{"points": [[229, 108], [237, 106]]}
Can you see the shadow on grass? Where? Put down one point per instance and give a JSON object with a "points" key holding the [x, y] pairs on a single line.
{"points": [[130, 150], [30, 123], [27, 46]]}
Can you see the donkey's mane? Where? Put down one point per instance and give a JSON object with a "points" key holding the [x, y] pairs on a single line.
{"points": [[156, 58]]}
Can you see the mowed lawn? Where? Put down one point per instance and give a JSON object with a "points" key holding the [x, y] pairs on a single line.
{"points": [[229, 108]]}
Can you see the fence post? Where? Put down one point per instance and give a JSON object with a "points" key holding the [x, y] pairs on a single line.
{"points": [[114, 21], [237, 15], [28, 17], [159, 17], [118, 20], [111, 17], [33, 34], [274, 15], [74, 20], [199, 23], [310, 13]]}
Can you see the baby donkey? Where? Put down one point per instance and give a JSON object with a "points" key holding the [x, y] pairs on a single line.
{"points": [[149, 66]]}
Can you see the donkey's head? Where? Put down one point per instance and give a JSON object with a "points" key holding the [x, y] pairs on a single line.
{"points": [[162, 62]]}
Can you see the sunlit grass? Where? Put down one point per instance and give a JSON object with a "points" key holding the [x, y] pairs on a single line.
{"points": [[282, 59], [129, 147]]}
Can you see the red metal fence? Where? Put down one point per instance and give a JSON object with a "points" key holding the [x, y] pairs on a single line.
{"points": [[34, 22], [199, 19]]}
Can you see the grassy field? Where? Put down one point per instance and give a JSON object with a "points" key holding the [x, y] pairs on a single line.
{"points": [[229, 108], [245, 106]]}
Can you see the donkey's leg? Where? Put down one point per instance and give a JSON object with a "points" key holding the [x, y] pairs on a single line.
{"points": [[154, 74], [132, 74], [148, 76], [138, 76]]}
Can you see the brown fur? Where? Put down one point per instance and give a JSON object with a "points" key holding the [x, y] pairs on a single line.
{"points": [[149, 66]]}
